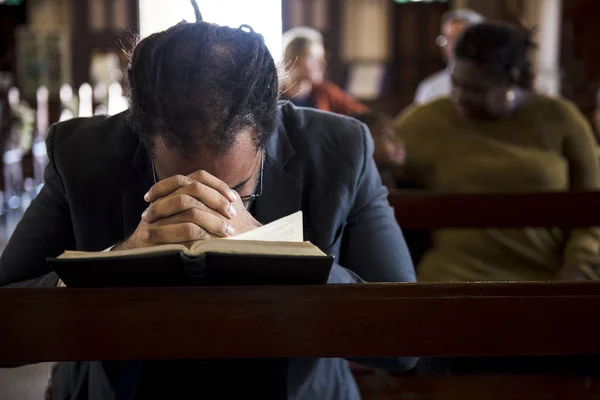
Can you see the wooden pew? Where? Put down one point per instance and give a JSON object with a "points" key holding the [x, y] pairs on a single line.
{"points": [[418, 212], [423, 210], [368, 320], [362, 320], [442, 320]]}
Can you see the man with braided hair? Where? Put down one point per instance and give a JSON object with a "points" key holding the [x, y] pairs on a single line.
{"points": [[206, 150]]}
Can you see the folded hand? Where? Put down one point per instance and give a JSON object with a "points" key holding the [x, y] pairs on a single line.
{"points": [[190, 208]]}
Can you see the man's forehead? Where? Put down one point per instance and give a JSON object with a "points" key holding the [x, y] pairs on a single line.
{"points": [[232, 167]]}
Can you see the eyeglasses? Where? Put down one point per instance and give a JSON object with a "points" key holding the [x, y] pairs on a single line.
{"points": [[258, 188]]}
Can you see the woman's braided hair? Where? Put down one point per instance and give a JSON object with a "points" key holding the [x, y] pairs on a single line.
{"points": [[501, 48], [200, 84]]}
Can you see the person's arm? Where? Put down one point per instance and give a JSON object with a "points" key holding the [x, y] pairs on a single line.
{"points": [[412, 131], [44, 231], [353, 106], [422, 94], [373, 248], [579, 149]]}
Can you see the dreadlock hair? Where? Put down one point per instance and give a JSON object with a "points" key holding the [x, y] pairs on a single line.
{"points": [[200, 84], [501, 49]]}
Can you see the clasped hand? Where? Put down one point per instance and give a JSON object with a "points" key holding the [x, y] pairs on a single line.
{"points": [[189, 208]]}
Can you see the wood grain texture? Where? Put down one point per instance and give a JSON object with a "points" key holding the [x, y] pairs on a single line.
{"points": [[368, 320], [429, 210], [383, 386]]}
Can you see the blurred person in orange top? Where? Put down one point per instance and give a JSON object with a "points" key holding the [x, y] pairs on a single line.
{"points": [[304, 83]]}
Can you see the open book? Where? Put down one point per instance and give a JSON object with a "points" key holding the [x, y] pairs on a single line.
{"points": [[273, 253], [282, 237]]}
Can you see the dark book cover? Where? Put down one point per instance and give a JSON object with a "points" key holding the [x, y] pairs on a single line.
{"points": [[178, 269]]}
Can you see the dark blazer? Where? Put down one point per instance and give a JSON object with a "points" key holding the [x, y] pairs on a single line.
{"points": [[317, 162]]}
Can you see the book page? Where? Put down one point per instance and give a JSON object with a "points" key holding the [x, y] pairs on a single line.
{"points": [[257, 247], [286, 229], [165, 248]]}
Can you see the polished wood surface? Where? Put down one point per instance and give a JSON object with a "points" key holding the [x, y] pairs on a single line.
{"points": [[428, 210], [383, 386], [316, 321]]}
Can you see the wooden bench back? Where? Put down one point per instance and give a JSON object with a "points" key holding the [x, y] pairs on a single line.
{"points": [[362, 320], [420, 210]]}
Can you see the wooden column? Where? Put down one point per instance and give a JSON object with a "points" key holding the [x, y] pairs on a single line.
{"points": [[366, 30], [546, 16]]}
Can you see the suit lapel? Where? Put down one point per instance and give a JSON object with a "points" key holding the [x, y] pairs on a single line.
{"points": [[281, 196], [282, 190], [140, 182]]}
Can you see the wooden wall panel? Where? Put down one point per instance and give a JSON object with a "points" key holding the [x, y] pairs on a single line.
{"points": [[414, 53]]}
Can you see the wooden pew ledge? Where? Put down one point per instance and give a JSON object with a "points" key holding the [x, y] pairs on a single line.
{"points": [[383, 386], [424, 210], [369, 320]]}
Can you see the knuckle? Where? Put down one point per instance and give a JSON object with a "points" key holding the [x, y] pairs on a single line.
{"points": [[150, 212], [181, 180], [181, 200], [189, 229], [152, 234], [196, 214], [198, 188], [201, 174]]}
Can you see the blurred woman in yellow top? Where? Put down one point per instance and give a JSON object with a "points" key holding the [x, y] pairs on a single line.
{"points": [[495, 134]]}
